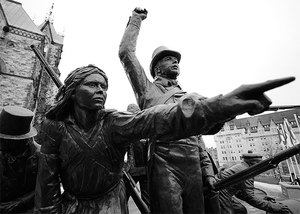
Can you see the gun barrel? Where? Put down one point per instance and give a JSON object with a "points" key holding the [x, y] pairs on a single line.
{"points": [[276, 108], [289, 152], [49, 70], [257, 169], [134, 194]]}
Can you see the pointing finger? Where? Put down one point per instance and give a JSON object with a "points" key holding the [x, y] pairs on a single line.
{"points": [[270, 84]]}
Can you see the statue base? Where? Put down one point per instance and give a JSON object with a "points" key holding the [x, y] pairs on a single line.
{"points": [[290, 191]]}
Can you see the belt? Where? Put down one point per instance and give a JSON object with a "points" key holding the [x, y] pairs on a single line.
{"points": [[70, 196]]}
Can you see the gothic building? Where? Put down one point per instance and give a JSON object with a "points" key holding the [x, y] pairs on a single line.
{"points": [[258, 133], [23, 80]]}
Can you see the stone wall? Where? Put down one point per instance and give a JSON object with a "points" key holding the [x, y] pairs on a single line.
{"points": [[23, 82], [19, 70], [48, 89]]}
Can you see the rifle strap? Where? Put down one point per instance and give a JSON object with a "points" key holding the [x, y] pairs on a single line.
{"points": [[162, 99]]}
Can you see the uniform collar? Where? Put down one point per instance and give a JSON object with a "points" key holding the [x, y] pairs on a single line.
{"points": [[166, 82]]}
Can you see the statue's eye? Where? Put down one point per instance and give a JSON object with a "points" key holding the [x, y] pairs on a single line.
{"points": [[103, 86], [92, 84]]}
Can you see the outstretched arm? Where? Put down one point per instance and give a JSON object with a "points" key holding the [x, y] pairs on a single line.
{"points": [[193, 115], [129, 60], [247, 194]]}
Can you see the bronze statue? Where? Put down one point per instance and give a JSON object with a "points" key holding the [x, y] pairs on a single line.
{"points": [[19, 160], [168, 171], [137, 158], [83, 144], [245, 190]]}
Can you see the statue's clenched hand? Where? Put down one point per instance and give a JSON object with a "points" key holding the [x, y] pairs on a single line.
{"points": [[142, 13]]}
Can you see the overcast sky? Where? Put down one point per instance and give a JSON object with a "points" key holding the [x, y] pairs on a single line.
{"points": [[223, 43]]}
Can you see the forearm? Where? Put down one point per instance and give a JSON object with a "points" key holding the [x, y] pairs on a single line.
{"points": [[189, 117], [248, 195], [47, 193], [129, 60], [272, 207], [129, 40]]}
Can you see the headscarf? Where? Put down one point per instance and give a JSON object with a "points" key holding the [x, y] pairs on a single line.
{"points": [[63, 98]]}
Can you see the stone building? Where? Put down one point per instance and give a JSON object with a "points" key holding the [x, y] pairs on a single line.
{"points": [[258, 133], [23, 81]]}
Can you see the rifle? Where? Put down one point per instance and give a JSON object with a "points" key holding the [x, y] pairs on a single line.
{"points": [[129, 182], [258, 168], [131, 186], [276, 108], [47, 67]]}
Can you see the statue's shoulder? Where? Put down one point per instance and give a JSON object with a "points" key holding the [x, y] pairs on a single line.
{"points": [[108, 113], [54, 129], [52, 124], [109, 110]]}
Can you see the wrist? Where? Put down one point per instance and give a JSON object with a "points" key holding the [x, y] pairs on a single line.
{"points": [[135, 20]]}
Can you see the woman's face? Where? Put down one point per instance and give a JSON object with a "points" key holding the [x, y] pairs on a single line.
{"points": [[91, 93]]}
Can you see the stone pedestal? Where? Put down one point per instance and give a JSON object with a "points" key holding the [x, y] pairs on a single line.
{"points": [[290, 191]]}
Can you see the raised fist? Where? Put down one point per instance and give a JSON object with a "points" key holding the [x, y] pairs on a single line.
{"points": [[140, 12]]}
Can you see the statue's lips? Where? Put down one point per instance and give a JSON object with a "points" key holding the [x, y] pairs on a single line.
{"points": [[99, 99]]}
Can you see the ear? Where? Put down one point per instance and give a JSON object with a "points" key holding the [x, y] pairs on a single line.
{"points": [[156, 70]]}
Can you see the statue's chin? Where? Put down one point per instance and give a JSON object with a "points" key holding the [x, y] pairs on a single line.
{"points": [[172, 76]]}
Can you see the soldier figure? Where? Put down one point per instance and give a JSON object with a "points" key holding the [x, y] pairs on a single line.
{"points": [[19, 160], [245, 190], [168, 167]]}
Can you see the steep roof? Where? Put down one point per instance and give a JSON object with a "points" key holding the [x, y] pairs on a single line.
{"points": [[265, 119], [16, 16], [55, 37]]}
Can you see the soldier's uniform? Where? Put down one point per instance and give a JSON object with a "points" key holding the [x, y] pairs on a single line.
{"points": [[245, 191], [177, 167]]}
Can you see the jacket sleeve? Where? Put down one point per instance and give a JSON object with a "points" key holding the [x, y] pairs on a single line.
{"points": [[189, 117], [47, 192], [247, 194], [134, 71]]}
